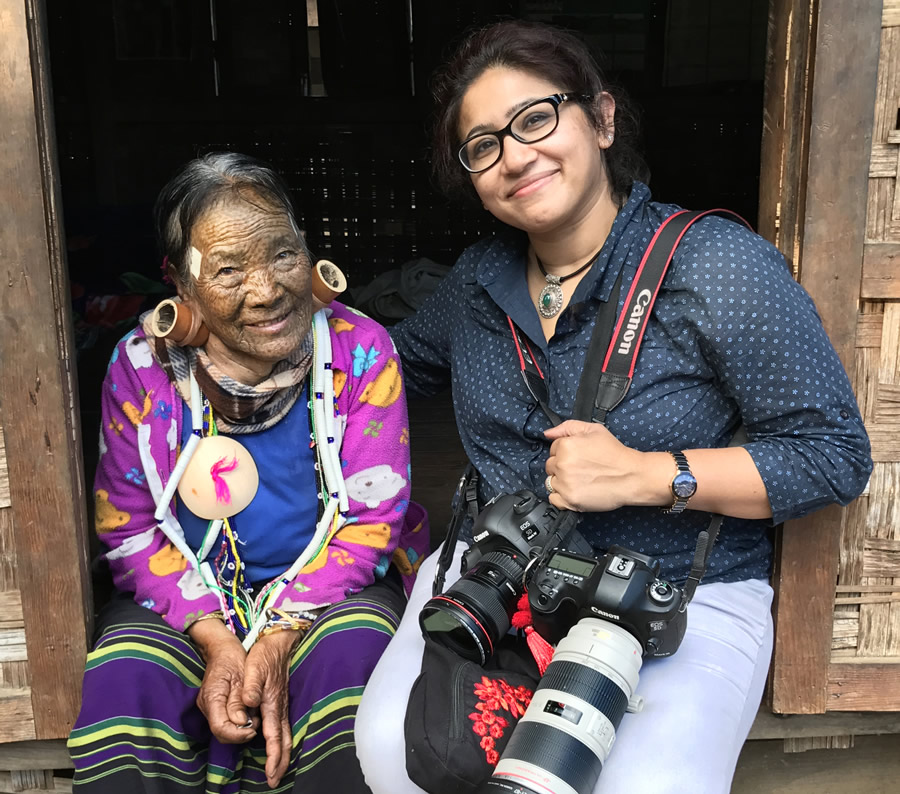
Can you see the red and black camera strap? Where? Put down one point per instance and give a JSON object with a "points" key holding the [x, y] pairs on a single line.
{"points": [[605, 379]]}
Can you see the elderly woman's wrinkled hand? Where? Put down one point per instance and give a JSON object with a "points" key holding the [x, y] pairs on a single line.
{"points": [[266, 679], [222, 688]]}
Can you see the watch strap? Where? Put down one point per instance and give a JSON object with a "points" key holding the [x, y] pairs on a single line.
{"points": [[679, 503]]}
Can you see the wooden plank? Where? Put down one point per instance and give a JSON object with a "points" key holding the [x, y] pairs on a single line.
{"points": [[864, 687], [48, 754], [879, 633], [889, 366], [4, 474], [887, 86], [843, 742], [881, 271], [49, 519], [805, 572], [883, 162], [16, 715], [885, 442], [868, 330], [831, 254], [890, 15], [12, 646], [879, 207], [887, 407], [11, 616], [785, 134], [10, 785], [784, 726]]}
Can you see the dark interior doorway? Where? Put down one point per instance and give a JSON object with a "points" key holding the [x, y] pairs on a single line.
{"points": [[334, 94]]}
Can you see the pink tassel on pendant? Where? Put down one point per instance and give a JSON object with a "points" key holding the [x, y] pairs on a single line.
{"points": [[220, 467]]}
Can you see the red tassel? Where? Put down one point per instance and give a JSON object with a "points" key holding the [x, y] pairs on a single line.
{"points": [[541, 650]]}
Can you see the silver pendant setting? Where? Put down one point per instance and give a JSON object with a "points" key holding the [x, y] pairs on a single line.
{"points": [[550, 300]]}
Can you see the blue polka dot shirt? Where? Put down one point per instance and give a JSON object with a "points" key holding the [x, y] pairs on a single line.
{"points": [[732, 339]]}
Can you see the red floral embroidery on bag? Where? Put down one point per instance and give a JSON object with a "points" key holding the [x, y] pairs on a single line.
{"points": [[496, 694]]}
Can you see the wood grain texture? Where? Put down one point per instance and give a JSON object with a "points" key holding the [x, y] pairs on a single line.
{"points": [[4, 474], [48, 754], [830, 266], [864, 687], [785, 131], [890, 15], [42, 446], [881, 271], [17, 715], [10, 783]]}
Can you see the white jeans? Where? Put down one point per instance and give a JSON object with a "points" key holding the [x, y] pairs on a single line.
{"points": [[698, 704]]}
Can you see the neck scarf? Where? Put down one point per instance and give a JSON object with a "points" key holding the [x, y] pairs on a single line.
{"points": [[239, 408]]}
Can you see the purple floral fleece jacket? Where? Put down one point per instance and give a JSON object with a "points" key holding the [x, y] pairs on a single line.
{"points": [[139, 437]]}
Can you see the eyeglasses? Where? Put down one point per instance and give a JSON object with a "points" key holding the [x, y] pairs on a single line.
{"points": [[531, 124]]}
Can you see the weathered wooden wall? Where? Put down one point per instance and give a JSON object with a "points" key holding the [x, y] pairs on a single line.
{"points": [[45, 602], [829, 200], [864, 671]]}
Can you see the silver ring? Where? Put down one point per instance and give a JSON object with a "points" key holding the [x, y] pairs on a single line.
{"points": [[549, 485]]}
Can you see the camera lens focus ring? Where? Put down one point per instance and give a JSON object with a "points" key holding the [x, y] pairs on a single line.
{"points": [[588, 685]]}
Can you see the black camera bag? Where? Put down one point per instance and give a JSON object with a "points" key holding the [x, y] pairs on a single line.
{"points": [[461, 714]]}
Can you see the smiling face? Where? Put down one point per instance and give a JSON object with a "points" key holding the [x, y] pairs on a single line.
{"points": [[251, 283], [542, 186]]}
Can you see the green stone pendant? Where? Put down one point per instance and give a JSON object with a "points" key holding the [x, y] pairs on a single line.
{"points": [[550, 300]]}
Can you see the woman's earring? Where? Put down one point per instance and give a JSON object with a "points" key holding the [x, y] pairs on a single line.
{"points": [[175, 320], [327, 283]]}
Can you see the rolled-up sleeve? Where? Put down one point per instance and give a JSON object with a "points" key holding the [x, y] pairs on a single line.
{"points": [[762, 335]]}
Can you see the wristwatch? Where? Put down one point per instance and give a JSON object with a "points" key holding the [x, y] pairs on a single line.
{"points": [[684, 484]]}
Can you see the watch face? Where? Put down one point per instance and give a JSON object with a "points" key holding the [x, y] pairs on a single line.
{"points": [[684, 485]]}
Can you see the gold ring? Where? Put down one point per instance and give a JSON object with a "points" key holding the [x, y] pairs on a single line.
{"points": [[549, 485]]}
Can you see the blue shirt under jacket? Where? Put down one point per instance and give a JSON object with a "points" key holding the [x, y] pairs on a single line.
{"points": [[732, 338]]}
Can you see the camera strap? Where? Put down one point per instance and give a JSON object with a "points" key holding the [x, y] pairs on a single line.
{"points": [[605, 380]]}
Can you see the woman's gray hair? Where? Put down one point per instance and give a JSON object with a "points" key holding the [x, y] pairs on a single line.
{"points": [[197, 185]]}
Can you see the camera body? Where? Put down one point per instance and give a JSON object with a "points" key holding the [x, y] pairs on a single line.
{"points": [[519, 525], [621, 586]]}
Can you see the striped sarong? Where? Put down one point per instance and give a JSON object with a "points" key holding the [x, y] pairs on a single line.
{"points": [[140, 730]]}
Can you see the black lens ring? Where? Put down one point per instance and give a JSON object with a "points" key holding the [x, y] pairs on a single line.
{"points": [[589, 685], [555, 752]]}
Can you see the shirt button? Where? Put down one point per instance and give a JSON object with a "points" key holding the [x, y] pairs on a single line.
{"points": [[535, 446], [844, 414]]}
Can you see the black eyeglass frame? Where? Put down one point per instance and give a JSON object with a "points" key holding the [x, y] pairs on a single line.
{"points": [[554, 99]]}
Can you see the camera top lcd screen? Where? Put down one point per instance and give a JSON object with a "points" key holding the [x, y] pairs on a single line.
{"points": [[572, 565]]}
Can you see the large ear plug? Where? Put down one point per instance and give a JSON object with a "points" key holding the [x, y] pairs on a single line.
{"points": [[327, 283], [175, 320]]}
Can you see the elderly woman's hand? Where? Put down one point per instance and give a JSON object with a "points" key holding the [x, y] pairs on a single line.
{"points": [[266, 679], [590, 470], [220, 693]]}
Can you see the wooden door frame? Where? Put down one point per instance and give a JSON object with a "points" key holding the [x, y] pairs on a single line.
{"points": [[38, 397], [817, 141]]}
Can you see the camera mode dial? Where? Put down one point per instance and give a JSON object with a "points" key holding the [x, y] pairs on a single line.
{"points": [[662, 592]]}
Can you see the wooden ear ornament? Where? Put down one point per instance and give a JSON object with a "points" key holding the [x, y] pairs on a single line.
{"points": [[327, 283], [174, 320]]}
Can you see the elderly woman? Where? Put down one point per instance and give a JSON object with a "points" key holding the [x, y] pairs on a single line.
{"points": [[254, 600]]}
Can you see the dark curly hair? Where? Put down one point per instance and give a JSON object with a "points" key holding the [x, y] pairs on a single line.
{"points": [[551, 53]]}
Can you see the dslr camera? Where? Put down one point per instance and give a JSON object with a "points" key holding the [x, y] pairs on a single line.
{"points": [[604, 613]]}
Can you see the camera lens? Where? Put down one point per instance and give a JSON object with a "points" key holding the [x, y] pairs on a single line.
{"points": [[568, 730], [476, 611]]}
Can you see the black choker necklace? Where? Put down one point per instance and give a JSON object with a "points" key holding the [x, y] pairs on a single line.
{"points": [[550, 300]]}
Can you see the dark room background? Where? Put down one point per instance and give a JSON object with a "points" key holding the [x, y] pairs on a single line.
{"points": [[334, 94]]}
